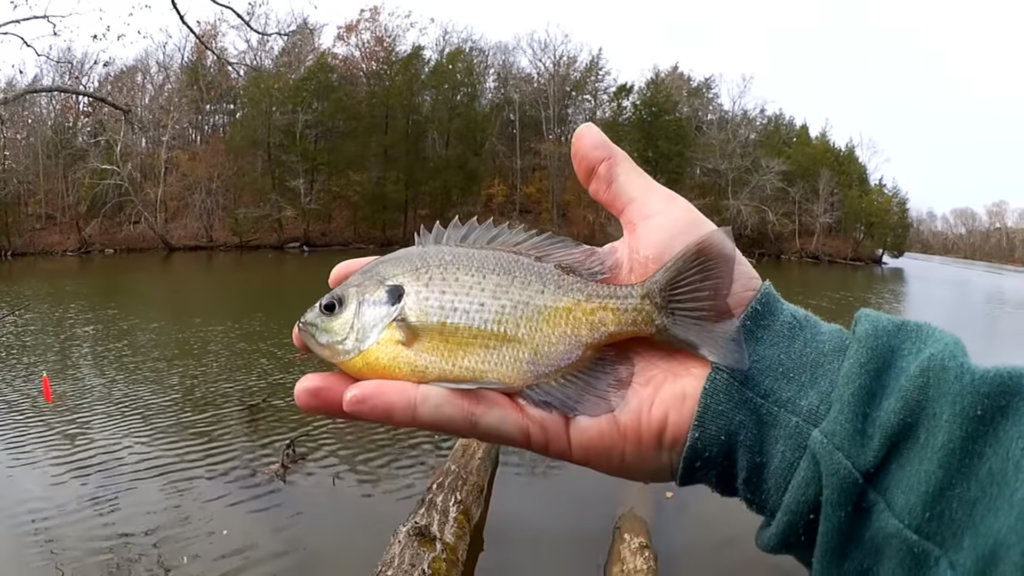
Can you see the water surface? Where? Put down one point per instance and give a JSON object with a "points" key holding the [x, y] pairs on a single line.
{"points": [[172, 380]]}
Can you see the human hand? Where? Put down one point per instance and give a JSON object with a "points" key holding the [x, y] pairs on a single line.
{"points": [[644, 437]]}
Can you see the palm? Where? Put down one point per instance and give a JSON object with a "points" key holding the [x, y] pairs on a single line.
{"points": [[643, 438]]}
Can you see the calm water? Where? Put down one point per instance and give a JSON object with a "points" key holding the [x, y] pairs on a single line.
{"points": [[172, 379]]}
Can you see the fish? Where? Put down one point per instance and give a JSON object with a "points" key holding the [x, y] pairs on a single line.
{"points": [[480, 305]]}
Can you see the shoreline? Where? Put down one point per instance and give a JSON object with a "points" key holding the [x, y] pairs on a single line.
{"points": [[194, 247], [826, 259], [256, 246], [64, 240], [67, 239]]}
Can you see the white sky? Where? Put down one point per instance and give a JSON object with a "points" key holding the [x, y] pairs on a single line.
{"points": [[932, 83]]}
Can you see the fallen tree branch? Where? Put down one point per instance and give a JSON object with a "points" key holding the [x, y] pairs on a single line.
{"points": [[435, 539], [58, 89], [631, 552], [252, 405], [13, 312], [288, 458]]}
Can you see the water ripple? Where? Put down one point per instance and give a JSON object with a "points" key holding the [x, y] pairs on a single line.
{"points": [[154, 454], [172, 381]]}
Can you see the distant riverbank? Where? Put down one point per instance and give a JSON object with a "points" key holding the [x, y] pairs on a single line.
{"points": [[65, 240], [1016, 263]]}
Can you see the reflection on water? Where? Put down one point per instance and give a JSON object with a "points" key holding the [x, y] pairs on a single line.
{"points": [[836, 291], [981, 303], [172, 380]]}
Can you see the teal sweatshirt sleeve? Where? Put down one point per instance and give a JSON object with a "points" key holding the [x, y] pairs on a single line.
{"points": [[879, 449]]}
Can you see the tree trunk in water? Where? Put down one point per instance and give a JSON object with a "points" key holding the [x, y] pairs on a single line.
{"points": [[83, 242], [168, 245], [8, 235], [631, 552], [436, 536]]}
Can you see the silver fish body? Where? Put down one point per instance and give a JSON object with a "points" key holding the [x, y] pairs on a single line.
{"points": [[483, 306]]}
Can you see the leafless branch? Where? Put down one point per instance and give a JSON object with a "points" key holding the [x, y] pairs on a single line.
{"points": [[44, 17], [48, 18], [35, 50], [247, 22], [184, 21], [6, 99]]}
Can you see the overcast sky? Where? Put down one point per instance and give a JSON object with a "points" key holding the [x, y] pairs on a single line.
{"points": [[934, 84]]}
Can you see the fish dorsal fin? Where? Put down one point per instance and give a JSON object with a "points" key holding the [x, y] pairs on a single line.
{"points": [[567, 254]]}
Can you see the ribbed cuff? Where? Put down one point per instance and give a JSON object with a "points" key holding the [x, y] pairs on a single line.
{"points": [[751, 428]]}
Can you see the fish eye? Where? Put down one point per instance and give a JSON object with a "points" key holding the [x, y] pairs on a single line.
{"points": [[330, 305]]}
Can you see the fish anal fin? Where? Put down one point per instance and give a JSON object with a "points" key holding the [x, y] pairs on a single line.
{"points": [[592, 387], [568, 255]]}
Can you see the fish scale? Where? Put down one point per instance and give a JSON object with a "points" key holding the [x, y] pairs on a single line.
{"points": [[484, 306], [496, 292]]}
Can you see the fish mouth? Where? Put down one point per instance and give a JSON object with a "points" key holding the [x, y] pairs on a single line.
{"points": [[308, 333]]}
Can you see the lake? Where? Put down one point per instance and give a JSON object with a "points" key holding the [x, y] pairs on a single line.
{"points": [[172, 379]]}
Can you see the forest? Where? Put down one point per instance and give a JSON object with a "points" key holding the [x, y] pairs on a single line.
{"points": [[266, 130], [994, 235]]}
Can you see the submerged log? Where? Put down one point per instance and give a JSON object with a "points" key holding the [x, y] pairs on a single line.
{"points": [[6, 315], [435, 538], [631, 552]]}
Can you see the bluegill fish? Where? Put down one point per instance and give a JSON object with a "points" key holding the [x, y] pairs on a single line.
{"points": [[485, 306]]}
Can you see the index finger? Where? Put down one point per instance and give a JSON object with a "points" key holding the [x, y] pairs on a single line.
{"points": [[346, 268]]}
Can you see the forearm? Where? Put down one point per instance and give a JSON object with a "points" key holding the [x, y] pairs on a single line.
{"points": [[881, 447]]}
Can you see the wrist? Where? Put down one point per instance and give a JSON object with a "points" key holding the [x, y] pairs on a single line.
{"points": [[750, 428], [693, 377]]}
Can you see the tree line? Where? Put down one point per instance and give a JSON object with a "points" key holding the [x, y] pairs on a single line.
{"points": [[996, 234], [359, 134]]}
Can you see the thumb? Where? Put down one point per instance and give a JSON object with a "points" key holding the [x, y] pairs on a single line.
{"points": [[614, 180]]}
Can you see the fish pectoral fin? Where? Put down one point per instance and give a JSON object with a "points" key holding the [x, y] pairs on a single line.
{"points": [[592, 387], [407, 331], [473, 386]]}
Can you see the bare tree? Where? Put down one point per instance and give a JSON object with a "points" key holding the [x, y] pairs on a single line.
{"points": [[870, 153], [825, 212], [559, 72], [26, 14], [750, 180]]}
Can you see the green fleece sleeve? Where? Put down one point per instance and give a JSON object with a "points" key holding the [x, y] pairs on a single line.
{"points": [[879, 449]]}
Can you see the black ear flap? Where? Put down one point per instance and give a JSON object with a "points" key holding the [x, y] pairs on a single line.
{"points": [[395, 293]]}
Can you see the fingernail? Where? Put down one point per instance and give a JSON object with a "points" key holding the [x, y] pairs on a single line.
{"points": [[351, 398]]}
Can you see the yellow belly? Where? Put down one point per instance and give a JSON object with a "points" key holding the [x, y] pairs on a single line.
{"points": [[441, 353]]}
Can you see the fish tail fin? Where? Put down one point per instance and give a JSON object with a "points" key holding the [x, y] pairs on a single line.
{"points": [[691, 294]]}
